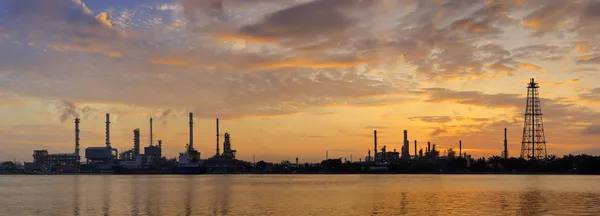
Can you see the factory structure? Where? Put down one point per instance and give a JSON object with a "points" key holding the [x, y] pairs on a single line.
{"points": [[224, 162], [381, 159], [106, 158]]}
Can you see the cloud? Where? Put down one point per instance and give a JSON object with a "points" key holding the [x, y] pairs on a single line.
{"points": [[439, 95], [12, 100], [376, 127], [579, 70], [591, 95], [592, 130], [52, 12], [306, 20], [432, 119], [593, 60], [315, 136], [253, 62], [525, 65], [503, 69], [438, 132]]}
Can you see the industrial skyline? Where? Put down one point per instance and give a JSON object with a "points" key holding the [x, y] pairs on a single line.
{"points": [[444, 71]]}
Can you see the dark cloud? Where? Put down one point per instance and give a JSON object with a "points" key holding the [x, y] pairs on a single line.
{"points": [[592, 130], [437, 132], [594, 60], [49, 11], [307, 20], [438, 95]]}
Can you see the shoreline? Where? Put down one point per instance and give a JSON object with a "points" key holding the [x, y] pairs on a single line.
{"points": [[337, 173]]}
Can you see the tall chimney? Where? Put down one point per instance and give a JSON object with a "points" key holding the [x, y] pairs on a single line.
{"points": [[160, 144], [191, 144], [505, 156], [151, 143], [375, 145], [77, 158], [415, 148], [428, 147], [217, 138], [405, 150], [460, 148], [108, 130]]}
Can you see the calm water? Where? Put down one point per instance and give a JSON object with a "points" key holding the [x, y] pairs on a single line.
{"points": [[300, 195]]}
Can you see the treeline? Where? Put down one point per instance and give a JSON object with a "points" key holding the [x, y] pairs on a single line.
{"points": [[569, 164]]}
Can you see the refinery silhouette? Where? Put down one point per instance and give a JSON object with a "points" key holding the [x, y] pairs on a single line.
{"points": [[533, 157]]}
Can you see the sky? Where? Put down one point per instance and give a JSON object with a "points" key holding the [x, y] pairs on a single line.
{"points": [[296, 78]]}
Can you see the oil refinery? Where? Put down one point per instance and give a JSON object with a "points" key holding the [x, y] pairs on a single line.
{"points": [[106, 159]]}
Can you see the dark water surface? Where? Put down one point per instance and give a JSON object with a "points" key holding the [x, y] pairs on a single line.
{"points": [[300, 195]]}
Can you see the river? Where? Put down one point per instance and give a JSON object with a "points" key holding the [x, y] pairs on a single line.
{"points": [[292, 195]]}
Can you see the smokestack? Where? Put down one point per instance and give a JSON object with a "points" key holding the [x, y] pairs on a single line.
{"points": [[108, 130], [415, 148], [160, 144], [375, 145], [191, 144], [505, 145], [460, 148], [405, 149], [217, 138], [77, 158], [151, 143], [136, 142], [428, 147]]}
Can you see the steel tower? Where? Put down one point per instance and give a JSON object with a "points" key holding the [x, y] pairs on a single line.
{"points": [[534, 141]]}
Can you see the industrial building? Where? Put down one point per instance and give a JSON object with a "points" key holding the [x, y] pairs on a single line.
{"points": [[191, 156], [44, 161], [133, 158], [43, 158], [223, 162], [102, 157]]}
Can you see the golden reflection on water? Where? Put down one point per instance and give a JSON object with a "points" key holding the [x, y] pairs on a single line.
{"points": [[82, 195]]}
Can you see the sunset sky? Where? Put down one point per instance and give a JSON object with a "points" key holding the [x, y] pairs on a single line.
{"points": [[294, 78]]}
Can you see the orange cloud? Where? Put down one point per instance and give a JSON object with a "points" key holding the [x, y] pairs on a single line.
{"points": [[263, 64], [525, 65], [86, 48], [583, 46], [104, 19], [503, 69], [475, 27]]}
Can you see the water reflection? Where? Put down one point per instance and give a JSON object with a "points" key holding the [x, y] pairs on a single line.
{"points": [[76, 192], [152, 199], [189, 188], [531, 202], [106, 191], [299, 195], [403, 204], [135, 205], [221, 195]]}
